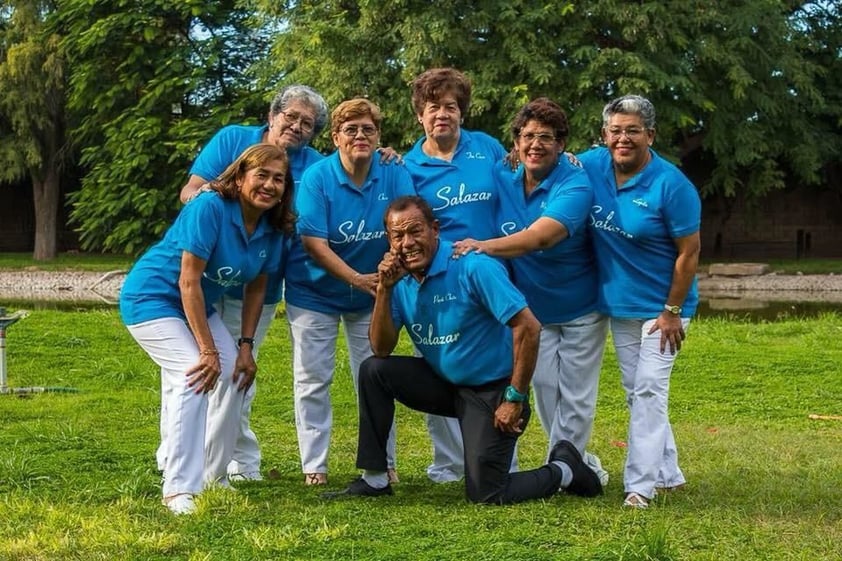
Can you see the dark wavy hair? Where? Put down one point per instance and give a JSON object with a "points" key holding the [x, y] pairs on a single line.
{"points": [[406, 201], [545, 111], [281, 216], [432, 84]]}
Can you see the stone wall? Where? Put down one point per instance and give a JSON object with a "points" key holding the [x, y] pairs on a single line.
{"points": [[795, 223]]}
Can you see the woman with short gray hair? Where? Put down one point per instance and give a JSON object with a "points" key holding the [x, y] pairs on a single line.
{"points": [[645, 223]]}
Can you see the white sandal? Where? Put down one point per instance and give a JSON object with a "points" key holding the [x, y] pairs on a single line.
{"points": [[635, 500]]}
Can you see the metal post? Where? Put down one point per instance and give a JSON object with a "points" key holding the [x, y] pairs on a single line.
{"points": [[3, 387], [5, 321]]}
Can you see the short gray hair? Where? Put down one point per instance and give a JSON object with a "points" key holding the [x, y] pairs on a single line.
{"points": [[630, 105], [305, 94]]}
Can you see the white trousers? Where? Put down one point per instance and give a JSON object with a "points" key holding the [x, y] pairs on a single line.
{"points": [[246, 458], [314, 335], [652, 457], [566, 378], [448, 450], [196, 449]]}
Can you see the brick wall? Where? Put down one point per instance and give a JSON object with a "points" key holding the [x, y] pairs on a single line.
{"points": [[802, 222]]}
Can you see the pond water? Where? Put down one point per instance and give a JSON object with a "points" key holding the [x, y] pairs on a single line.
{"points": [[763, 310]]}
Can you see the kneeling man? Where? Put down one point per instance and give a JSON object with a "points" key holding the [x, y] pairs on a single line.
{"points": [[479, 343]]}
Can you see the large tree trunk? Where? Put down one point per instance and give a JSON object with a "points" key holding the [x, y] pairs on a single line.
{"points": [[46, 197]]}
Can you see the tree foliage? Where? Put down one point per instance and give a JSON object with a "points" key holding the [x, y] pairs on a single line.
{"points": [[737, 85], [151, 81], [32, 111], [747, 92]]}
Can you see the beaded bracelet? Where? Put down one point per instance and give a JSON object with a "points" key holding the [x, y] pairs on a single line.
{"points": [[209, 352]]}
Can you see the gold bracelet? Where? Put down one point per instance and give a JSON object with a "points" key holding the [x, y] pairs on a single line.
{"points": [[209, 352]]}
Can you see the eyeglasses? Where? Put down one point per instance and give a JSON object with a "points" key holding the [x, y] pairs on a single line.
{"points": [[306, 124], [630, 132], [352, 130], [542, 138]]}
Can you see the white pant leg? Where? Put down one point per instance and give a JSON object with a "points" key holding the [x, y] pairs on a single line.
{"points": [[225, 404], [359, 348], [161, 452], [170, 344], [246, 458], [646, 373], [580, 350], [313, 336], [448, 450], [546, 380]]}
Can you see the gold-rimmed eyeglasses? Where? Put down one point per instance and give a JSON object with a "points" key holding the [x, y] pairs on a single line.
{"points": [[544, 138], [352, 130], [631, 132], [305, 123]]}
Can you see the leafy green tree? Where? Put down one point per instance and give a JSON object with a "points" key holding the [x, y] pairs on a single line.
{"points": [[32, 111], [151, 80], [736, 84]]}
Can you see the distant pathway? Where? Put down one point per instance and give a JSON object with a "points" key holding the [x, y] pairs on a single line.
{"points": [[61, 286], [82, 286]]}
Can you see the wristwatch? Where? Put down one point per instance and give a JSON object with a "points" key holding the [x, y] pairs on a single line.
{"points": [[247, 340], [511, 394], [674, 310]]}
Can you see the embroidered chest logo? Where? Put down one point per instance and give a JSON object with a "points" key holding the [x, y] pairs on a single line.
{"points": [[443, 298]]}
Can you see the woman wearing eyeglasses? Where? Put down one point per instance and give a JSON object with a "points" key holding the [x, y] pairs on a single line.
{"points": [[645, 221], [541, 229], [453, 170], [332, 276]]}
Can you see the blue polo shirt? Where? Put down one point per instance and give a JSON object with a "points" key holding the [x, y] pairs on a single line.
{"points": [[457, 317], [221, 151], [634, 228], [231, 141], [461, 192], [561, 282], [212, 229], [331, 207]]}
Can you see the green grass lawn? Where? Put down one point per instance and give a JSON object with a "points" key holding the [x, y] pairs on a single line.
{"points": [[78, 478], [67, 261]]}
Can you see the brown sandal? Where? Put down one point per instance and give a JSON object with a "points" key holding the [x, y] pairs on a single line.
{"points": [[315, 479]]}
